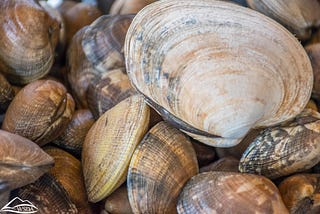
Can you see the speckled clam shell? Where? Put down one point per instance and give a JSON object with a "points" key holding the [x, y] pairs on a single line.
{"points": [[298, 16], [109, 145], [40, 111], [160, 166], [28, 36], [216, 69], [285, 149], [21, 161], [230, 192]]}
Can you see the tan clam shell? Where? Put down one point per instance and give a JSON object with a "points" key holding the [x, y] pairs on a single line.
{"points": [[298, 16], [28, 36], [21, 161], [230, 192], [109, 145], [285, 149], [210, 68], [40, 111], [160, 166]]}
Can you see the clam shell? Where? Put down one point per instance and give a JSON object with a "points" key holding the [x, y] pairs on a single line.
{"points": [[40, 111], [301, 193], [211, 69], [314, 55], [28, 39], [226, 164], [48, 196], [6, 93], [21, 161], [297, 15], [160, 166], [230, 192], [68, 171], [118, 202], [205, 154], [129, 6], [109, 145], [285, 149]]}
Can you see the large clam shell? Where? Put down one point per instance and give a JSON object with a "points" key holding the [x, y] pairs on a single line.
{"points": [[28, 36], [216, 69], [230, 192], [109, 145], [160, 166], [282, 150], [21, 161]]}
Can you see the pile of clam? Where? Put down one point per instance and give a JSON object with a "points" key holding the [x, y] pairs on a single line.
{"points": [[169, 106]]}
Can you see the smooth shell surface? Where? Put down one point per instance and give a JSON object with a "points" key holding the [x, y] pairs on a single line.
{"points": [[21, 161], [160, 166], [285, 149], [230, 192], [212, 69], [40, 111], [109, 145], [28, 39]]}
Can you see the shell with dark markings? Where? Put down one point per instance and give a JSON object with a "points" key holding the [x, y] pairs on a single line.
{"points": [[230, 192], [48, 196], [28, 36], [160, 166], [21, 161], [291, 147], [109, 145], [189, 66], [40, 111], [301, 193]]}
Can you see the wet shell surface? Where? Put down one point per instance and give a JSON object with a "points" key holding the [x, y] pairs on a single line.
{"points": [[28, 36], [40, 111], [109, 145], [160, 166], [21, 161], [230, 192], [282, 150], [210, 68], [297, 15]]}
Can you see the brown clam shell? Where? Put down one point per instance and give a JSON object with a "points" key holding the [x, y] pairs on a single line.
{"points": [[6, 94], [301, 193], [205, 154], [28, 36], [21, 161], [68, 171], [230, 192], [313, 52], [40, 111], [160, 166], [73, 136], [118, 202], [129, 6], [282, 150]]}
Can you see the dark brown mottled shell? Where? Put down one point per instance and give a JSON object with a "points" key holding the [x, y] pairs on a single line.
{"points": [[226, 164], [205, 154], [6, 94], [48, 196], [68, 171], [21, 161], [230, 192], [40, 111], [160, 166], [73, 136], [28, 36], [282, 150], [118, 202], [301, 193]]}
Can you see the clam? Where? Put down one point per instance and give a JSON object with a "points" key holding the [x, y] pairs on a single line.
{"points": [[28, 39], [48, 196], [96, 62], [230, 192], [314, 55], [301, 193], [109, 145], [159, 168], [68, 172], [297, 15], [40, 111], [226, 164], [118, 202], [205, 154], [211, 70], [129, 6], [21, 161], [6, 93], [73, 136], [285, 149]]}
